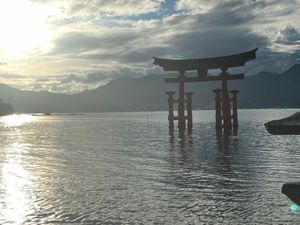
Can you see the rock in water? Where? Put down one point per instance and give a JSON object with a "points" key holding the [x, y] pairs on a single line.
{"points": [[292, 191], [288, 125]]}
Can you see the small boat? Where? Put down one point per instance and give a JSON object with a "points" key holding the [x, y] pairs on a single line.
{"points": [[285, 126], [292, 191]]}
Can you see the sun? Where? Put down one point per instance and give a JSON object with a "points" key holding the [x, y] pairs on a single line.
{"points": [[24, 27]]}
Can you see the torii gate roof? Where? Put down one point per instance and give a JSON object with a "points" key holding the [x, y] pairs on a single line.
{"points": [[206, 63]]}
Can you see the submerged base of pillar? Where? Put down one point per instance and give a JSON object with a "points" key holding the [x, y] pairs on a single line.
{"points": [[185, 115], [171, 127], [181, 127], [226, 111]]}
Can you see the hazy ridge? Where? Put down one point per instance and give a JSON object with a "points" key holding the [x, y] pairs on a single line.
{"points": [[263, 90]]}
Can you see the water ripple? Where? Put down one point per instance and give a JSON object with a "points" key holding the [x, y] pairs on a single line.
{"points": [[114, 169]]}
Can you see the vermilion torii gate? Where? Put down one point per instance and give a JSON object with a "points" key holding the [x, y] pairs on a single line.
{"points": [[226, 116]]}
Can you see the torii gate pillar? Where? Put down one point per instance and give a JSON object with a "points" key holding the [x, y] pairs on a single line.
{"points": [[225, 101], [234, 109], [171, 109], [181, 116], [189, 110]]}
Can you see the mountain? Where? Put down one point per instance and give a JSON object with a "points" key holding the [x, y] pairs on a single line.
{"points": [[263, 90], [6, 109], [30, 101]]}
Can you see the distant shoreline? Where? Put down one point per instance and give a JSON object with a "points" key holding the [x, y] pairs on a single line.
{"points": [[116, 112]]}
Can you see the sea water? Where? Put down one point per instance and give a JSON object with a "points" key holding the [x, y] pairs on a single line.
{"points": [[126, 168]]}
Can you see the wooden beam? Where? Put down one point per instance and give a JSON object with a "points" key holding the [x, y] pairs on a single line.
{"points": [[206, 63], [208, 78]]}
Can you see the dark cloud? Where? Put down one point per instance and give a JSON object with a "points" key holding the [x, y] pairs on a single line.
{"points": [[212, 34], [220, 18], [128, 56], [136, 56], [216, 42], [79, 42]]}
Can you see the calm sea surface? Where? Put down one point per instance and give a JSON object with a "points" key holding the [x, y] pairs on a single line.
{"points": [[115, 168]]}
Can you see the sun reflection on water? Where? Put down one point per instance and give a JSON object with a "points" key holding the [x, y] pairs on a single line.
{"points": [[17, 120], [16, 183]]}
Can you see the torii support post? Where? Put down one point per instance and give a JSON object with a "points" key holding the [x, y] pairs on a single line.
{"points": [[171, 109], [226, 111], [189, 110], [234, 109], [181, 116], [218, 109]]}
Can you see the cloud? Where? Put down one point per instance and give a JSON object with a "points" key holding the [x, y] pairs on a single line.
{"points": [[107, 7], [116, 7], [74, 83], [12, 76], [128, 55], [260, 8], [16, 80], [80, 42], [210, 34], [89, 78], [289, 35], [200, 6], [95, 41], [183, 35], [99, 76]]}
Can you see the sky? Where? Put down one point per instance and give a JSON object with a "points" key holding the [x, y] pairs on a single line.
{"points": [[71, 45]]}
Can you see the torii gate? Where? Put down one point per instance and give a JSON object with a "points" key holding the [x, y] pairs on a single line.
{"points": [[224, 116]]}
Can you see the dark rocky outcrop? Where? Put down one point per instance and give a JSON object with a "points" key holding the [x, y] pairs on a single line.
{"points": [[292, 191], [285, 126]]}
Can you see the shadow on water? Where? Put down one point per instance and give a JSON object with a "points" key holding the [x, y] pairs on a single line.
{"points": [[187, 143], [183, 142], [227, 146], [208, 167], [205, 151]]}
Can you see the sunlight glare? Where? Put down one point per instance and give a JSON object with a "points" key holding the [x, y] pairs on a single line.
{"points": [[17, 120], [24, 27], [16, 184]]}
